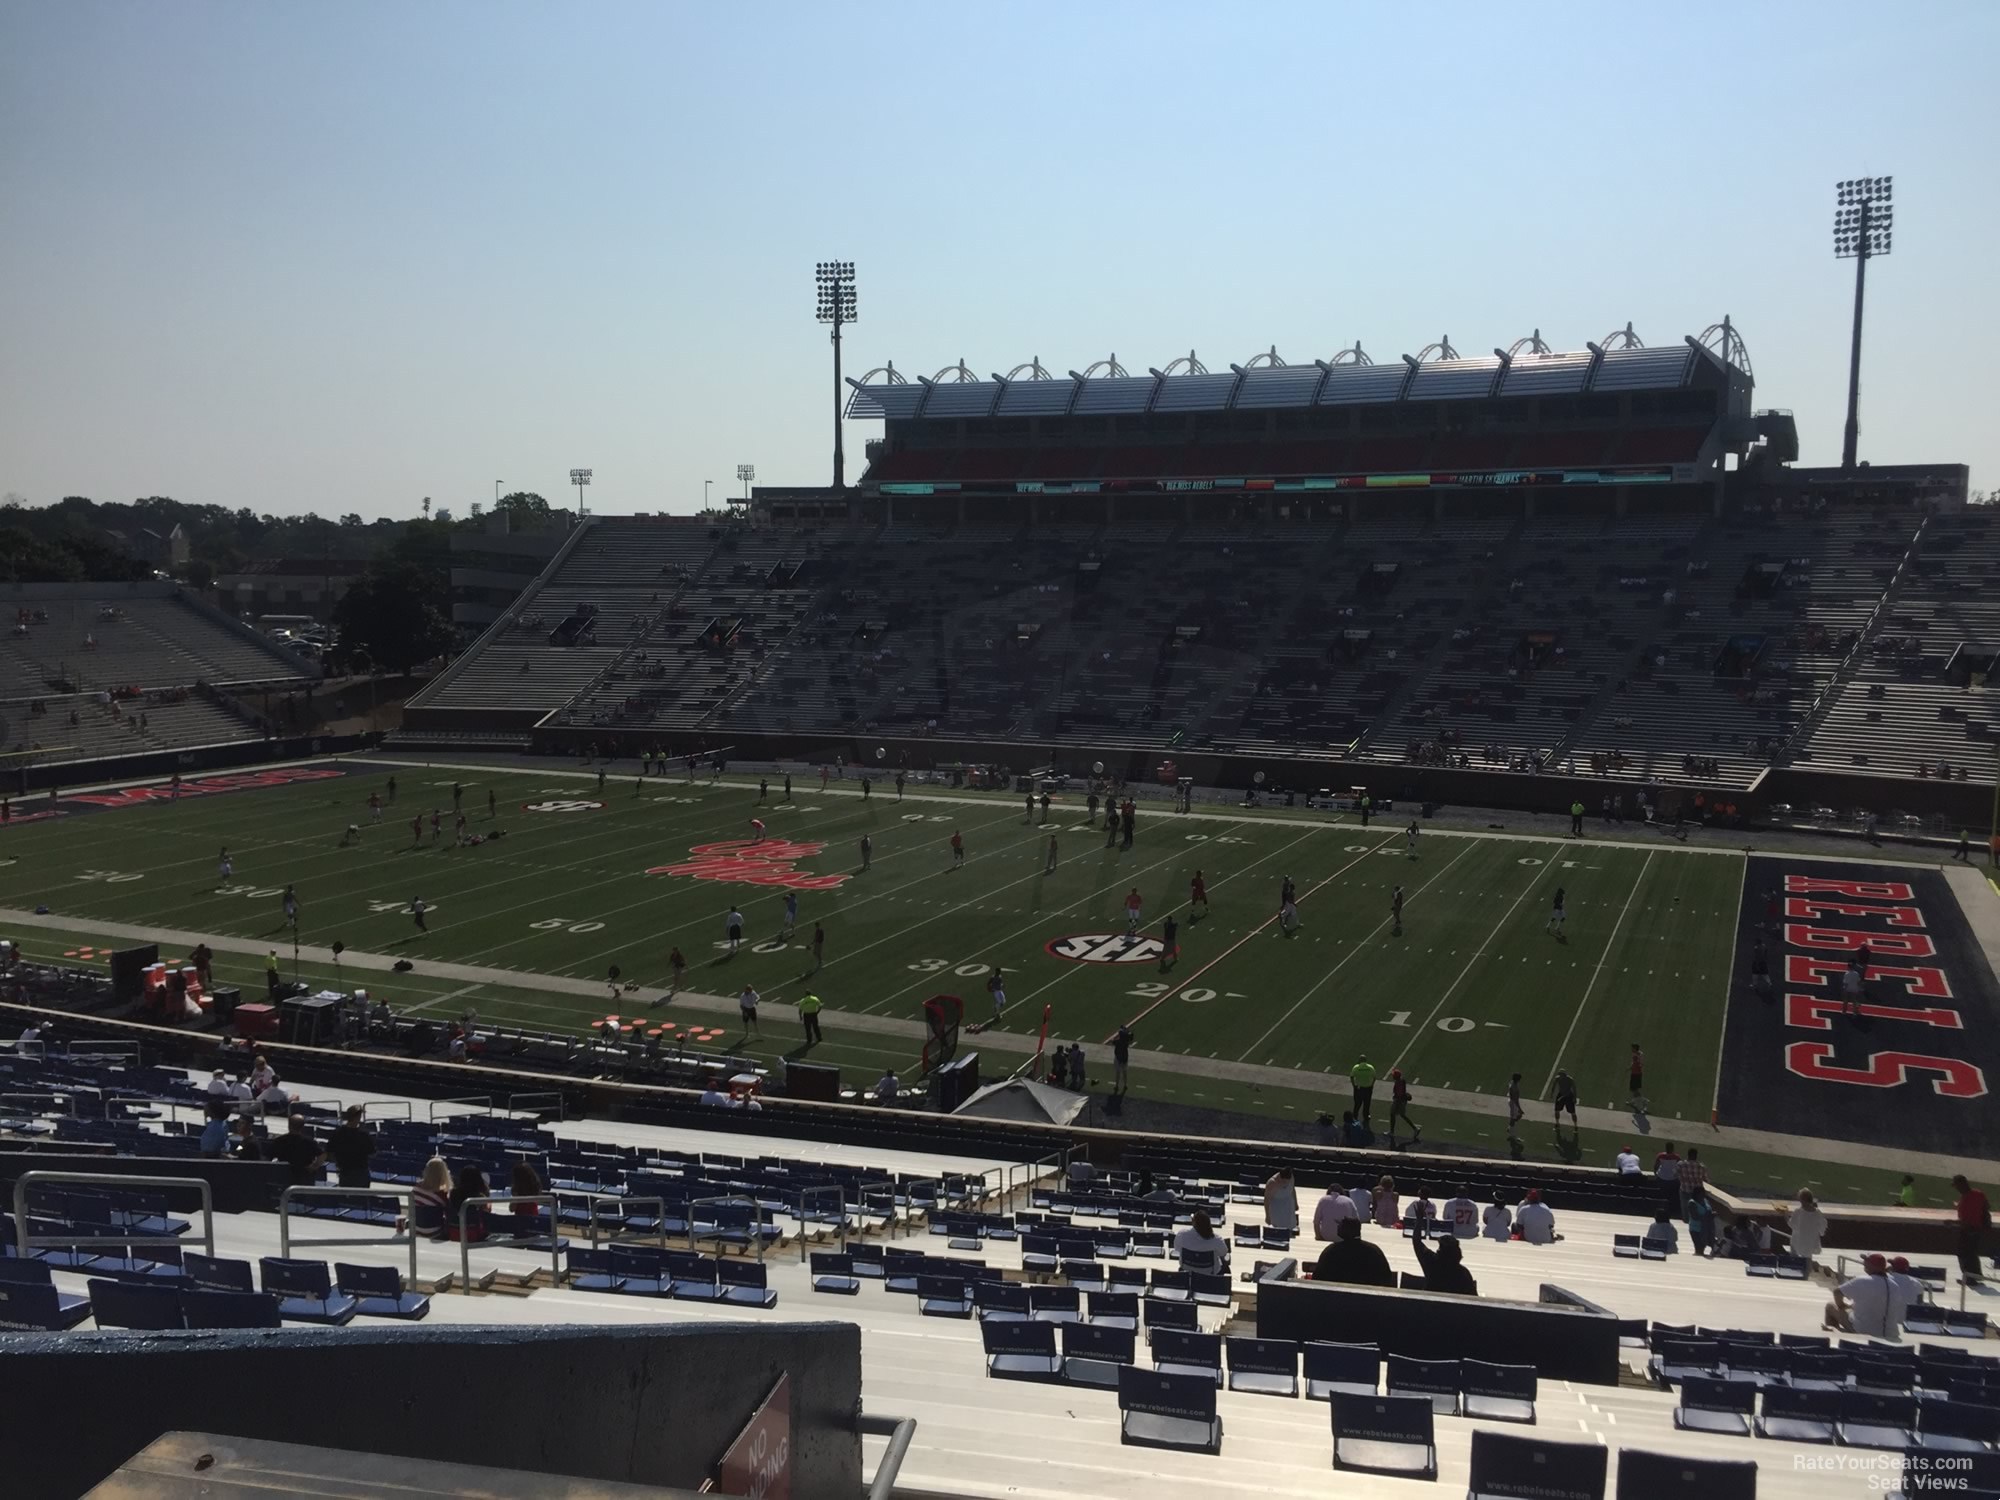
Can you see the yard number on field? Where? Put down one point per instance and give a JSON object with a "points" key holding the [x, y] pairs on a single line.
{"points": [[564, 924]]}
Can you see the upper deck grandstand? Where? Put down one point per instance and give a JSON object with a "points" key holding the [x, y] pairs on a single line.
{"points": [[1597, 562]]}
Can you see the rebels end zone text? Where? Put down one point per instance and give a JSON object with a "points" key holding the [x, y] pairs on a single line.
{"points": [[1828, 950]]}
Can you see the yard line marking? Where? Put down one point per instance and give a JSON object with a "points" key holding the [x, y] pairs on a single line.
{"points": [[1728, 980], [1075, 969], [458, 994], [1189, 982], [1596, 974], [1424, 1027], [1040, 921], [1352, 952]]}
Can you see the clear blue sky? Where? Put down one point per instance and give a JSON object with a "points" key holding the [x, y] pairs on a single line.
{"points": [[341, 257]]}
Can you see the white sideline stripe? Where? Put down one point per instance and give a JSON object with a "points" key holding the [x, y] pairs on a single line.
{"points": [[1728, 989], [1598, 973]]}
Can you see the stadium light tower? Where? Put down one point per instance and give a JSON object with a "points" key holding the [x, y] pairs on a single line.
{"points": [[746, 473], [579, 478], [1863, 216], [836, 306]]}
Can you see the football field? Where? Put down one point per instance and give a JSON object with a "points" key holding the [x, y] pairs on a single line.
{"points": [[1473, 988]]}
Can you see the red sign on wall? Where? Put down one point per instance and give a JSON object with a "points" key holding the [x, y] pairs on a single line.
{"points": [[759, 1463]]}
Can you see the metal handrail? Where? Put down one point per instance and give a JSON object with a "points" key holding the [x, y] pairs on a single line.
{"points": [[756, 1221], [840, 1203], [112, 1049], [532, 1104], [484, 1103], [44, 1099], [24, 1241], [899, 1431], [407, 1235], [615, 1236], [386, 1108], [465, 1245]]}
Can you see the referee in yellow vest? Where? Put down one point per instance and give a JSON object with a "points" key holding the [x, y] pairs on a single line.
{"points": [[809, 1008]]}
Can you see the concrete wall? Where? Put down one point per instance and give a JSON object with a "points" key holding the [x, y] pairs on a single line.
{"points": [[1562, 1343], [651, 1405]]}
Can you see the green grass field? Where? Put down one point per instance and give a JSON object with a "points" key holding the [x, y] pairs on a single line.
{"points": [[1472, 990]]}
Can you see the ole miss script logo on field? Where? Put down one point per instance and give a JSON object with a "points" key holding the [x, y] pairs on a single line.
{"points": [[753, 862]]}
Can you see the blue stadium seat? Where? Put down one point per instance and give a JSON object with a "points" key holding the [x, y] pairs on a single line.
{"points": [[1873, 1419], [1957, 1427], [378, 1292], [643, 1269], [1055, 1304], [1794, 1416], [231, 1310], [1709, 1404], [834, 1273], [1114, 1310], [1434, 1379], [136, 1304], [1384, 1435], [744, 1283], [1180, 1352], [1160, 1409], [593, 1271], [214, 1274], [1349, 1369], [1093, 1353], [1498, 1393], [1020, 1350], [306, 1291], [693, 1276], [1262, 1367], [37, 1306], [1643, 1475], [1506, 1465]]}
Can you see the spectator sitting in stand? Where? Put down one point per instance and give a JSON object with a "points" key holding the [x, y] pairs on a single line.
{"points": [[1330, 1212], [1661, 1234], [1199, 1247], [471, 1184], [215, 1134], [244, 1145], [274, 1100], [1444, 1267], [1535, 1220], [428, 1199], [1353, 1260], [524, 1183]]}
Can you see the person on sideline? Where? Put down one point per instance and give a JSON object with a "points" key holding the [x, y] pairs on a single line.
{"points": [[1975, 1217]]}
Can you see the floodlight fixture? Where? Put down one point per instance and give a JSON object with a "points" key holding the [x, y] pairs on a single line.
{"points": [[1864, 217], [579, 478], [746, 473], [835, 280]]}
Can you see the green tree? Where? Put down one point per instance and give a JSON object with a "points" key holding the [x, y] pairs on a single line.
{"points": [[525, 510], [393, 616]]}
